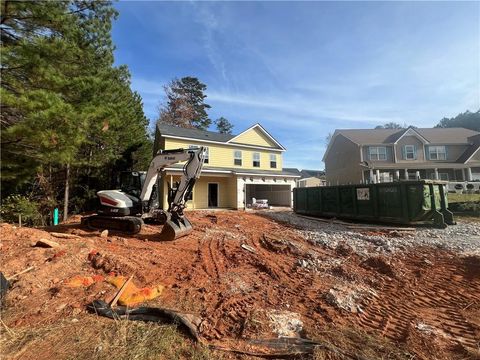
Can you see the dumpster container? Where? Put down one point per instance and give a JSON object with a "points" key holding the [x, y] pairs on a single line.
{"points": [[402, 202]]}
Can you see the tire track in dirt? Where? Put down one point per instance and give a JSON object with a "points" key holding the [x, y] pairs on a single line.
{"points": [[434, 301]]}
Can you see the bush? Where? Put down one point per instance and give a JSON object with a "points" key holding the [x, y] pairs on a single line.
{"points": [[16, 205]]}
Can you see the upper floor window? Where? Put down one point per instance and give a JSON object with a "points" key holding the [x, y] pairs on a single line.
{"points": [[377, 152], [207, 154], [256, 159], [273, 161], [437, 153], [409, 152], [237, 158]]}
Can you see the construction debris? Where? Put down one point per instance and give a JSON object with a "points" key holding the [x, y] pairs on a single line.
{"points": [[248, 248], [64, 236], [10, 278], [130, 294]]}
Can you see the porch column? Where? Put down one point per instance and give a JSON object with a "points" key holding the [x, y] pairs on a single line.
{"points": [[436, 173], [469, 174], [378, 175], [406, 174], [417, 175], [397, 174], [372, 180]]}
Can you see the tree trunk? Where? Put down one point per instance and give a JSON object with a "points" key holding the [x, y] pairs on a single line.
{"points": [[67, 193]]}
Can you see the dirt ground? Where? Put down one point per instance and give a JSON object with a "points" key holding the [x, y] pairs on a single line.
{"points": [[247, 277]]}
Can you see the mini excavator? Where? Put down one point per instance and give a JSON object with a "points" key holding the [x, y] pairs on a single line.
{"points": [[136, 201]]}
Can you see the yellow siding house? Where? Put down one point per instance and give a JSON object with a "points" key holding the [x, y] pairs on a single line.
{"points": [[237, 169]]}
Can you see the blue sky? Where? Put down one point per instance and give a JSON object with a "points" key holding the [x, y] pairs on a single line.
{"points": [[303, 69]]}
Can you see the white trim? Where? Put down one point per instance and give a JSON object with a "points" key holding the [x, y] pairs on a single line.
{"points": [[266, 175], [471, 155], [235, 173], [223, 143], [218, 195], [423, 139], [263, 130]]}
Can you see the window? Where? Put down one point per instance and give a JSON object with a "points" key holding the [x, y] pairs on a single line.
{"points": [[409, 152], [207, 154], [437, 153], [377, 152], [441, 176], [256, 159], [273, 161], [237, 158]]}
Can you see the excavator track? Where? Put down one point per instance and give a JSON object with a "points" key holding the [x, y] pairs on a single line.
{"points": [[126, 224]]}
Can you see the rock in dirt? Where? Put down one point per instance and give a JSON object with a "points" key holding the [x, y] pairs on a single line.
{"points": [[286, 323], [45, 243], [104, 234]]}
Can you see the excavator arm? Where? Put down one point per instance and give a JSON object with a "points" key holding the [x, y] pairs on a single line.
{"points": [[176, 225]]}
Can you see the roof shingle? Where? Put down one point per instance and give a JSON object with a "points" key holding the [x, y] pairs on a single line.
{"points": [[171, 130]]}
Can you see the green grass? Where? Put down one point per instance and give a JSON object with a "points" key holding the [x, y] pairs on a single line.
{"points": [[455, 198]]}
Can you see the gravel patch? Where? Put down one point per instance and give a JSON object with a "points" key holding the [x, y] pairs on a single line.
{"points": [[463, 237]]}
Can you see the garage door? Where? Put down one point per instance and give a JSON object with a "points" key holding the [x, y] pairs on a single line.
{"points": [[277, 195]]}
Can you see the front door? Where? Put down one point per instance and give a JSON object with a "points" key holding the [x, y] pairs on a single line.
{"points": [[212, 195]]}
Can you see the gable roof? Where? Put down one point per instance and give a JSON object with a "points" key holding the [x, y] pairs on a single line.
{"points": [[389, 136], [262, 129], [171, 130]]}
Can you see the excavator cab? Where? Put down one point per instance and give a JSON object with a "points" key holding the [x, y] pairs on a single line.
{"points": [[131, 182]]}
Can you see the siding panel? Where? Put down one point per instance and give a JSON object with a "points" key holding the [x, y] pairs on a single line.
{"points": [[222, 155]]}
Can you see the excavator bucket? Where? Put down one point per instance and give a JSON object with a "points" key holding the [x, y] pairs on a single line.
{"points": [[174, 229]]}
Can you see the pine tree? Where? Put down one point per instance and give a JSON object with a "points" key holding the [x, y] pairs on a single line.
{"points": [[66, 111], [224, 126], [185, 104]]}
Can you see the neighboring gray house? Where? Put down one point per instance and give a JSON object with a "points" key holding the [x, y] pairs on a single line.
{"points": [[383, 155]]}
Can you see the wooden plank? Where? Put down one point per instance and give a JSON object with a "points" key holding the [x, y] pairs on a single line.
{"points": [[120, 291]]}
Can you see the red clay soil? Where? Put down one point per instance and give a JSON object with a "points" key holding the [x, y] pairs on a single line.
{"points": [[426, 301]]}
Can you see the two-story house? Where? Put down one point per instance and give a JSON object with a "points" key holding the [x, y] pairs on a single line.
{"points": [[237, 169], [383, 155]]}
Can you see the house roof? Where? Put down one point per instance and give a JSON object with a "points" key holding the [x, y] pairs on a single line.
{"points": [[389, 136], [471, 150], [166, 129], [175, 131], [293, 171], [312, 173]]}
